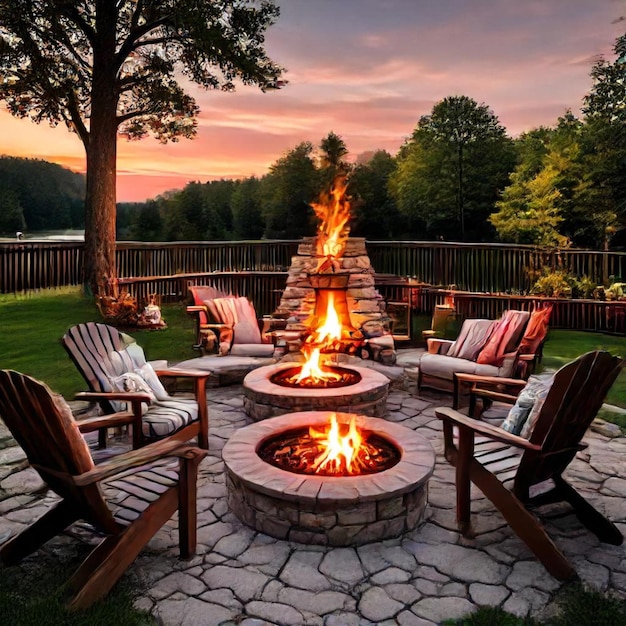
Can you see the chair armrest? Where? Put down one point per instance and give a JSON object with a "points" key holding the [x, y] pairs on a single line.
{"points": [[483, 428], [196, 308], [173, 372], [136, 458], [90, 424], [123, 396], [438, 346], [490, 380], [491, 387]]}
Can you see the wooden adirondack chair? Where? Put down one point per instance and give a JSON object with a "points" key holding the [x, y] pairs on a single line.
{"points": [[126, 499], [101, 352], [509, 469]]}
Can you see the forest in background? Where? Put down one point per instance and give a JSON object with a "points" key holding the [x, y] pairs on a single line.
{"points": [[36, 195], [458, 177]]}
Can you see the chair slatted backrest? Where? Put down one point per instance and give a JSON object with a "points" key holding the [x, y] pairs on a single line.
{"points": [[42, 424], [91, 347], [575, 397]]}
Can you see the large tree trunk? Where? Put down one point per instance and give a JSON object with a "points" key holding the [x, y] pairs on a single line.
{"points": [[99, 266]]}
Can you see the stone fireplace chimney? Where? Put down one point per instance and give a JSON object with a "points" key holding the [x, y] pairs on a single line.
{"points": [[363, 304]]}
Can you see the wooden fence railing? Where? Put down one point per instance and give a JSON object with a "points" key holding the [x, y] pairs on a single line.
{"points": [[236, 267], [492, 268]]}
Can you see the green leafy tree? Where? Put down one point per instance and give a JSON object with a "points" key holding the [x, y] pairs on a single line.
{"points": [[376, 215], [218, 217], [452, 169], [332, 151], [529, 212], [536, 206], [11, 214], [146, 221], [245, 205], [287, 192], [605, 114], [103, 67], [185, 215]]}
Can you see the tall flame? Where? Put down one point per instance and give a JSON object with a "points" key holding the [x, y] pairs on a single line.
{"points": [[321, 337], [333, 211], [341, 450]]}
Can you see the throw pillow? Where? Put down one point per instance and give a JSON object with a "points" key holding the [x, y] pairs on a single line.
{"points": [[149, 376], [131, 383], [543, 383], [504, 338], [536, 330], [473, 336], [527, 406], [246, 332]]}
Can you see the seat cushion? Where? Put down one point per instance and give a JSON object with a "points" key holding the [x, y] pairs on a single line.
{"points": [[165, 417], [252, 349], [444, 367]]}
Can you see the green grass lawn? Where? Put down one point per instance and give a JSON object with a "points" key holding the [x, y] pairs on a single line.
{"points": [[32, 326]]}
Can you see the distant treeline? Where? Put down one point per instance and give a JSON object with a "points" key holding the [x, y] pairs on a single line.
{"points": [[37, 195]]}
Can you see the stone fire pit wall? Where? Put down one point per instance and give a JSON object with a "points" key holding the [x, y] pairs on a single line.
{"points": [[263, 398], [331, 510], [365, 305]]}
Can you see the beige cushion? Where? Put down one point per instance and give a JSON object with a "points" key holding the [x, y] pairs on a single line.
{"points": [[252, 349]]}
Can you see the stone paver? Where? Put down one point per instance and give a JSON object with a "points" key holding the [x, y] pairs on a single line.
{"points": [[241, 576]]}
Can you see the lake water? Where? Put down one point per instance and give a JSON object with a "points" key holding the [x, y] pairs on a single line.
{"points": [[50, 235]]}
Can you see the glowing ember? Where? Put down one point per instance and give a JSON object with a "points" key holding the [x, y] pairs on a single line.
{"points": [[338, 449], [334, 377]]}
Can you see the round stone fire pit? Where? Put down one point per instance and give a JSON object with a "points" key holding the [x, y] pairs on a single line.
{"points": [[264, 398], [327, 510]]}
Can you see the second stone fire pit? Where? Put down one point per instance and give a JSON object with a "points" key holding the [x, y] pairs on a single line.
{"points": [[264, 398], [345, 510]]}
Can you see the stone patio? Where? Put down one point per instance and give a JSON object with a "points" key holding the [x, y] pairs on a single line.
{"points": [[241, 576]]}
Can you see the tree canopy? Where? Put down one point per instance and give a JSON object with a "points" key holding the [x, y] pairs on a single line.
{"points": [[103, 67], [451, 170]]}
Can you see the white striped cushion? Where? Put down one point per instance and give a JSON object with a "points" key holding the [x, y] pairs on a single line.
{"points": [[165, 417]]}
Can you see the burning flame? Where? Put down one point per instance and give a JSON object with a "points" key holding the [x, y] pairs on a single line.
{"points": [[321, 337], [333, 211], [340, 453]]}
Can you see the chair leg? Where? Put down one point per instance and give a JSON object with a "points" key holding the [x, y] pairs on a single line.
{"points": [[110, 559], [187, 506], [203, 413], [524, 524], [30, 539], [464, 457], [599, 525]]}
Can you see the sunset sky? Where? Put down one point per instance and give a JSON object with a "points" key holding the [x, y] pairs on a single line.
{"points": [[367, 70]]}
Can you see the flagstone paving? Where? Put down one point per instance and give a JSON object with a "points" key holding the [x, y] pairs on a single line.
{"points": [[240, 576]]}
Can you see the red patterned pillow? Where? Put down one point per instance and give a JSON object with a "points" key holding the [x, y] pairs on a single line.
{"points": [[504, 338]]}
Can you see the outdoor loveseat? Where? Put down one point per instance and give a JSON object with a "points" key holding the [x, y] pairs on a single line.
{"points": [[507, 347]]}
